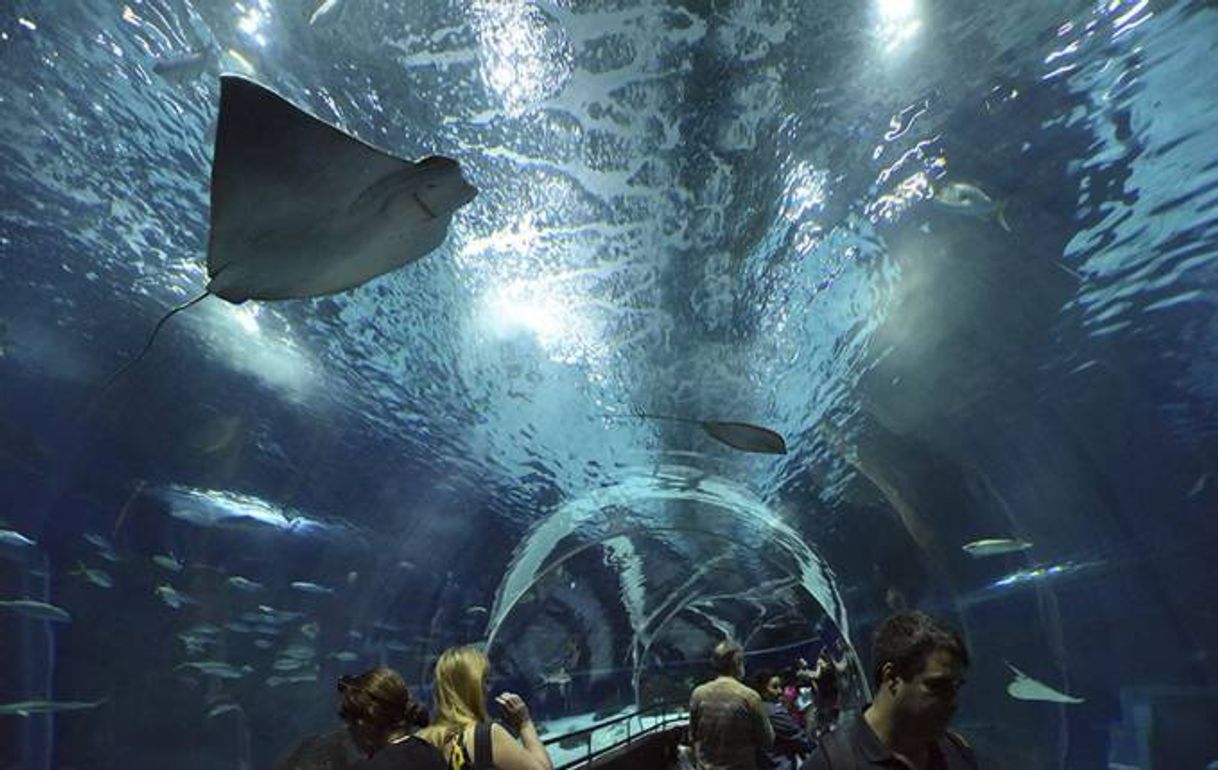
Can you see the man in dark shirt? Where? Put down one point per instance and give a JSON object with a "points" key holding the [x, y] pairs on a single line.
{"points": [[918, 667]]}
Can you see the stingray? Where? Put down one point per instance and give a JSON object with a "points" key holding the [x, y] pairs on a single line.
{"points": [[302, 209], [738, 435]]}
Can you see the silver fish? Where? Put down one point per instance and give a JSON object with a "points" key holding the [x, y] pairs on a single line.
{"points": [[275, 681], [172, 596], [15, 539], [218, 669], [28, 707], [37, 610], [169, 562], [244, 584], [328, 9], [95, 576], [312, 588], [184, 67], [97, 540], [970, 200], [222, 708], [994, 546]]}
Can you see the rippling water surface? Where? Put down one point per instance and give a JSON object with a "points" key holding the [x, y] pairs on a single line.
{"points": [[715, 209]]}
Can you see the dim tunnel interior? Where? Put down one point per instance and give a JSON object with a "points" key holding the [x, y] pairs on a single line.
{"points": [[961, 256]]}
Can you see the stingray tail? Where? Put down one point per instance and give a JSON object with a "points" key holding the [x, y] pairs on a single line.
{"points": [[109, 383]]}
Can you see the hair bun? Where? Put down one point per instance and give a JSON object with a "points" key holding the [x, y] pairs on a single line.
{"points": [[416, 715]]}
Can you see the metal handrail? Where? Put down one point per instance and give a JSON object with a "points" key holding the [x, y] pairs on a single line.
{"points": [[670, 715]]}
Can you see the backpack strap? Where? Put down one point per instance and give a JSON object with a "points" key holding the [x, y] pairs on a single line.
{"points": [[482, 746]]}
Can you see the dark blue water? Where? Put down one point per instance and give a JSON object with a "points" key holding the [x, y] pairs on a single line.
{"points": [[721, 210]]}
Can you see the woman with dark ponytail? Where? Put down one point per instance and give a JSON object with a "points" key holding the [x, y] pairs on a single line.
{"points": [[382, 719]]}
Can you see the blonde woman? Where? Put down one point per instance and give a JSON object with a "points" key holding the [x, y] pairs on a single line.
{"points": [[461, 728]]}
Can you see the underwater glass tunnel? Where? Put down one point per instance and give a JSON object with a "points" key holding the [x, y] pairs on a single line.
{"points": [[758, 319]]}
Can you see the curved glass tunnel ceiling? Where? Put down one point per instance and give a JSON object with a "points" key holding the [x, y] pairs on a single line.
{"points": [[961, 256]]}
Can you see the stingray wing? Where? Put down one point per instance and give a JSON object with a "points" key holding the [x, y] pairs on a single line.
{"points": [[746, 437], [281, 180]]}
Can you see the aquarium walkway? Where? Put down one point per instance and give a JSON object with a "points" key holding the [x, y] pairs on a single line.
{"points": [[645, 739]]}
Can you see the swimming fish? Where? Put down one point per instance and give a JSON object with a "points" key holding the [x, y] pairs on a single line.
{"points": [[109, 556], [477, 609], [27, 707], [172, 597], [222, 708], [1024, 687], [559, 678], [263, 644], [169, 562], [743, 436], [275, 681], [218, 669], [994, 546], [194, 643], [95, 576], [345, 656], [970, 200], [301, 209], [299, 651], [243, 584], [325, 11], [15, 539], [312, 588], [37, 610], [186, 66], [290, 664], [97, 540]]}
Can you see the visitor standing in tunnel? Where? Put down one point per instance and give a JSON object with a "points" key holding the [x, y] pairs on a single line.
{"points": [[790, 741], [382, 720], [462, 729], [728, 723], [918, 667]]}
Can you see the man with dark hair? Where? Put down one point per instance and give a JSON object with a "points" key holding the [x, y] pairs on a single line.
{"points": [[728, 723], [918, 668]]}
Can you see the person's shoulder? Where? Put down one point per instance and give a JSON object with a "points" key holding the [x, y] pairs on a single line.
{"points": [[961, 748], [411, 754]]}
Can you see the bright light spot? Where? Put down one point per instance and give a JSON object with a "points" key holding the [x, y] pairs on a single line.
{"points": [[525, 307], [898, 23], [235, 59], [912, 189], [896, 10], [806, 191], [519, 238], [27, 23], [526, 57], [253, 19], [247, 317]]}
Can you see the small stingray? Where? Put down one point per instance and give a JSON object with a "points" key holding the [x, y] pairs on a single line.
{"points": [[301, 209], [738, 435], [1024, 687]]}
